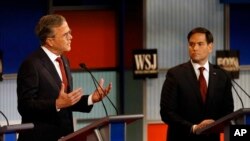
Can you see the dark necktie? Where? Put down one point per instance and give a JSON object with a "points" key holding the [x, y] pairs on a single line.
{"points": [[203, 84], [64, 77]]}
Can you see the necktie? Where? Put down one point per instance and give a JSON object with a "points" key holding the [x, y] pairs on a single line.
{"points": [[203, 84], [64, 77]]}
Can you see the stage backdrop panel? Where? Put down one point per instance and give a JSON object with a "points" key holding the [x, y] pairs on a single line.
{"points": [[239, 31], [17, 36], [94, 38]]}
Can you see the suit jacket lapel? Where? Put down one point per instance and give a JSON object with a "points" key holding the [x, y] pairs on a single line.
{"points": [[52, 74], [212, 79], [192, 79]]}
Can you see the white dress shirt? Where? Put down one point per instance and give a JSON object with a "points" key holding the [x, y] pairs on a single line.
{"points": [[53, 57], [205, 72]]}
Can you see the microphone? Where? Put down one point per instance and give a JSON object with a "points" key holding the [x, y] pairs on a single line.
{"points": [[241, 88], [242, 105], [84, 67], [234, 82], [5, 118]]}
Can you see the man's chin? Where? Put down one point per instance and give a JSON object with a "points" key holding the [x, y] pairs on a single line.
{"points": [[195, 60], [68, 49]]}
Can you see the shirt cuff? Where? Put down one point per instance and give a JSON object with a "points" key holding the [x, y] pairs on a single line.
{"points": [[90, 101], [193, 128]]}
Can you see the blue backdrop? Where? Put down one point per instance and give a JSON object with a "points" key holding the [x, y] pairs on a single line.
{"points": [[240, 31], [17, 36]]}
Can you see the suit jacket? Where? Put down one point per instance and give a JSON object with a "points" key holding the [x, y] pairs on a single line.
{"points": [[38, 86], [181, 104]]}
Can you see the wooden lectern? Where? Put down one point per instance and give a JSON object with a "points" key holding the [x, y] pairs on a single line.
{"points": [[239, 117], [112, 128], [9, 133]]}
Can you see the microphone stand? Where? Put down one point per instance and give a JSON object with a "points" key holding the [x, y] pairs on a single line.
{"points": [[83, 66], [101, 100], [105, 109], [238, 96], [5, 118], [232, 80], [241, 88]]}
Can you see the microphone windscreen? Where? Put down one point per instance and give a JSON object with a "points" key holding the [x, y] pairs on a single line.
{"points": [[83, 66]]}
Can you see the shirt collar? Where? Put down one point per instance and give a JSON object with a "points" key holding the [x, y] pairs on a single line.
{"points": [[196, 66], [51, 55]]}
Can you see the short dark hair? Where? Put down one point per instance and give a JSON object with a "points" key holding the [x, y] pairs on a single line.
{"points": [[44, 27], [209, 35]]}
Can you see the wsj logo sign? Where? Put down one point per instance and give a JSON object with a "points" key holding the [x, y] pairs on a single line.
{"points": [[145, 63], [229, 61]]}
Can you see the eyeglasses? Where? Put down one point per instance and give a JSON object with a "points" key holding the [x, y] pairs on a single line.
{"points": [[66, 35]]}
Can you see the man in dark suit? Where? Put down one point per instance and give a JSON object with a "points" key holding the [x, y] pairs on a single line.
{"points": [[182, 106], [44, 89]]}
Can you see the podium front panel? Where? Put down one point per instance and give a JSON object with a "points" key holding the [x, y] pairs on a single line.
{"points": [[244, 119], [112, 128], [117, 131], [248, 119], [114, 131], [9, 136]]}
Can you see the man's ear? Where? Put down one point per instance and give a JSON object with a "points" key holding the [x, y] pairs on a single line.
{"points": [[49, 41], [211, 47]]}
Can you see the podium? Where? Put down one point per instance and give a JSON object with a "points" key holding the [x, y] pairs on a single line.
{"points": [[9, 133], [111, 128], [239, 117]]}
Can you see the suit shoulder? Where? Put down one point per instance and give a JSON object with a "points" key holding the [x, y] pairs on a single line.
{"points": [[30, 60], [36, 55], [179, 68], [221, 72]]}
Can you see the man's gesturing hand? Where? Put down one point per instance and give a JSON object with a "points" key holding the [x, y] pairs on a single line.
{"points": [[65, 100], [101, 92]]}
